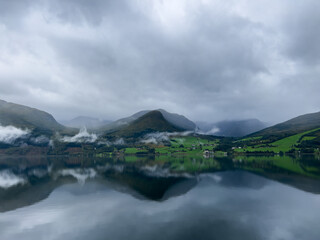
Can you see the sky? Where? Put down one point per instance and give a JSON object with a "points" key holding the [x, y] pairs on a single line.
{"points": [[209, 60]]}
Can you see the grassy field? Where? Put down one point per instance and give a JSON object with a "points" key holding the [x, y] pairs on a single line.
{"points": [[195, 161], [190, 141], [187, 145], [185, 153], [308, 138], [282, 145], [249, 139]]}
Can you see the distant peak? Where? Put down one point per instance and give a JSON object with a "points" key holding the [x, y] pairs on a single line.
{"points": [[153, 113]]}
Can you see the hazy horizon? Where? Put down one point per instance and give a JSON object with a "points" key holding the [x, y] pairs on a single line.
{"points": [[206, 60]]}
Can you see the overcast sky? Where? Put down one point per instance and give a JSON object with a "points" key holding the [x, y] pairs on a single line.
{"points": [[209, 60]]}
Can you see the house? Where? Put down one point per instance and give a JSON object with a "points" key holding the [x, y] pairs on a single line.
{"points": [[207, 153]]}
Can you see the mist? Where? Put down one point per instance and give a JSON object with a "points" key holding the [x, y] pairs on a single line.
{"points": [[162, 137], [82, 137], [9, 134], [212, 131]]}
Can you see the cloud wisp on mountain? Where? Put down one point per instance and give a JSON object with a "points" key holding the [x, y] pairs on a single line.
{"points": [[9, 134]]}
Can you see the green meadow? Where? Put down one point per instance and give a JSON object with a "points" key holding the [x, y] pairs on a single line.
{"points": [[282, 145]]}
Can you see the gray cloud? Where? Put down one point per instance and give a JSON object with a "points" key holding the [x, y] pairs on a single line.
{"points": [[303, 33], [208, 60]]}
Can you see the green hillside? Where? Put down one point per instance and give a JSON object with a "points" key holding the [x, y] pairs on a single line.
{"points": [[305, 140], [176, 120], [293, 126], [25, 117], [151, 122]]}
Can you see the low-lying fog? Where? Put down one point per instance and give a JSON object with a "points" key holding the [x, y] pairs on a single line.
{"points": [[13, 135]]}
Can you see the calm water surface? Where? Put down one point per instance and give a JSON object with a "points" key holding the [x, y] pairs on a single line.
{"points": [[96, 203]]}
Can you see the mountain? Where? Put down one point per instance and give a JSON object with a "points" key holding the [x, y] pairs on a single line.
{"points": [[120, 123], [179, 121], [293, 126], [84, 121], [233, 128], [21, 116], [152, 121]]}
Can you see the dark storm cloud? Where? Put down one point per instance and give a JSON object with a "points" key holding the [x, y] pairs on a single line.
{"points": [[209, 60]]}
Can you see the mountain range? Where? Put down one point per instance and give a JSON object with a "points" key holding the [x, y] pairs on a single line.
{"points": [[85, 121], [19, 120], [176, 120], [232, 128], [143, 122]]}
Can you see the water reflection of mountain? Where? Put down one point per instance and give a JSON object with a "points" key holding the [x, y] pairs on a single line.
{"points": [[153, 187], [21, 196], [241, 179], [300, 182], [141, 180], [135, 183]]}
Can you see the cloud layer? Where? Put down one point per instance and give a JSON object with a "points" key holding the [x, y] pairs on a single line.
{"points": [[9, 134], [209, 59]]}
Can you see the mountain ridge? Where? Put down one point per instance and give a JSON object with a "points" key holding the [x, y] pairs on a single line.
{"points": [[22, 116], [152, 121], [85, 121], [175, 119], [231, 128], [292, 126]]}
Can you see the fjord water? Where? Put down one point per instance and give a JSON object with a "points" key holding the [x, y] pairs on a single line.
{"points": [[114, 201]]}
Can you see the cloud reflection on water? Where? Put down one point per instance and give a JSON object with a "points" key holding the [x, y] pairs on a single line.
{"points": [[211, 210]]}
